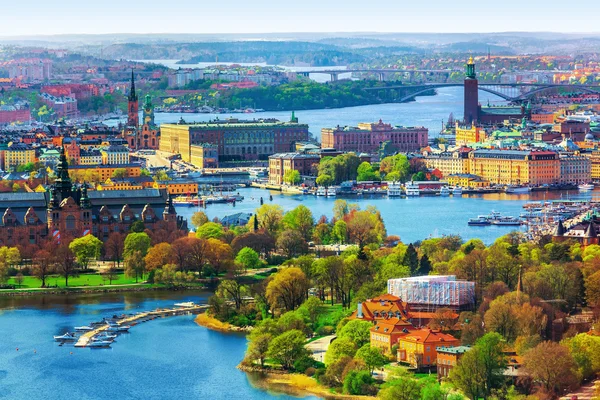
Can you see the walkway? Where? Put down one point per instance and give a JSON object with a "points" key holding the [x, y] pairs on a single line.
{"points": [[586, 392], [319, 347]]}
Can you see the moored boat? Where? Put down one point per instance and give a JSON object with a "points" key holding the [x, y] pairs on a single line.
{"points": [[321, 191], [586, 187], [412, 189], [67, 337], [518, 189], [99, 343], [444, 191], [479, 221], [394, 190], [457, 191], [83, 328]]}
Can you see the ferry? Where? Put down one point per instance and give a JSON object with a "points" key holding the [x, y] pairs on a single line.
{"points": [[518, 189], [586, 187], [321, 191], [457, 191], [394, 190], [331, 191], [506, 221], [444, 191], [481, 220], [412, 189]]}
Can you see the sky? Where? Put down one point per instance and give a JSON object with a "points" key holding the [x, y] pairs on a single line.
{"points": [[43, 17]]}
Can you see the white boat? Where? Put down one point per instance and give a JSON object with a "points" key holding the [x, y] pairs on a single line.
{"points": [[586, 187], [444, 191], [321, 191], [185, 304], [394, 190], [481, 220], [506, 221], [331, 191], [118, 328], [518, 189], [412, 189], [457, 191], [99, 343], [67, 337], [83, 328], [105, 336]]}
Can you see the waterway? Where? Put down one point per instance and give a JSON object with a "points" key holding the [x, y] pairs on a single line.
{"points": [[169, 358]]}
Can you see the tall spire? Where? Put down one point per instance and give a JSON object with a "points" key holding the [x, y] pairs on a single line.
{"points": [[132, 95], [63, 180]]}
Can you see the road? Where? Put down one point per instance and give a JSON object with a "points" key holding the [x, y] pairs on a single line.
{"points": [[319, 347], [586, 392]]}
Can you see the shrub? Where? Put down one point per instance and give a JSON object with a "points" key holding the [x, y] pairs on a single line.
{"points": [[325, 330], [359, 383], [310, 371], [304, 363]]}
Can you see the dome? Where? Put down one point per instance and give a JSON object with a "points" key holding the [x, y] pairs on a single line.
{"points": [[589, 136]]}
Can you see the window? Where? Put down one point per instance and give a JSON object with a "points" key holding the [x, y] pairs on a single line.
{"points": [[70, 223]]}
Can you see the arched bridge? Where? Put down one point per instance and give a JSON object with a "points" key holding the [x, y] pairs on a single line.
{"points": [[514, 92]]}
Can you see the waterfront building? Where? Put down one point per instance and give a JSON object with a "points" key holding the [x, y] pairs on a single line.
{"points": [[575, 169], [447, 358], [449, 163], [368, 137], [69, 211], [280, 163], [115, 154], [429, 293], [204, 155], [237, 140], [104, 172], [469, 181], [515, 167], [594, 157], [469, 134], [18, 154], [418, 348], [471, 100]]}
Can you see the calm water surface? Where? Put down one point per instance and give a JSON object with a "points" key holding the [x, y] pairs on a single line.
{"points": [[170, 358]]}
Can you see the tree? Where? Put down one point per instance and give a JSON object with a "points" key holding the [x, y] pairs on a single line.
{"points": [[210, 230], [110, 274], [159, 255], [403, 388], [585, 350], [292, 177], [300, 219], [359, 332], [411, 259], [269, 218], [291, 243], [248, 258], [358, 383], [372, 357], [287, 348], [114, 247], [258, 348], [287, 290], [43, 265], [468, 375], [592, 289], [137, 242], [339, 348], [324, 180], [490, 349], [218, 254], [311, 310], [233, 291], [364, 228], [339, 233], [8, 256], [19, 279], [199, 218], [551, 365], [366, 173], [65, 262], [340, 209], [86, 248], [137, 226], [424, 265], [134, 263], [119, 173]]}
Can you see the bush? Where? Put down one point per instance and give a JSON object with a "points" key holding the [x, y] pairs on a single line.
{"points": [[325, 330], [12, 271], [26, 271], [304, 363], [276, 259], [359, 383], [310, 371], [395, 350], [150, 278], [319, 374]]}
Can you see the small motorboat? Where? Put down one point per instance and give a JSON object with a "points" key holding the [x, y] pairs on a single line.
{"points": [[67, 337], [105, 336], [444, 191], [118, 328], [457, 191], [99, 344], [586, 187], [85, 328]]}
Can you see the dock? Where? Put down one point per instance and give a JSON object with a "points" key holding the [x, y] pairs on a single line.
{"points": [[186, 308]]}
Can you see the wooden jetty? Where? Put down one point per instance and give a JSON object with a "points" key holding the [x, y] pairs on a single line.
{"points": [[186, 308]]}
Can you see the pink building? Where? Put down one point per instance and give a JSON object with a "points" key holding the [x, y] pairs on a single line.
{"points": [[62, 106], [367, 137], [10, 114]]}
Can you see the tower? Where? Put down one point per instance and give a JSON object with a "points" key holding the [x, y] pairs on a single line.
{"points": [[471, 94], [62, 184], [148, 112], [132, 105]]}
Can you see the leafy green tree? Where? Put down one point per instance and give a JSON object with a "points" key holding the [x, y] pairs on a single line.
{"points": [[258, 348], [300, 219], [137, 227], [86, 248], [468, 375], [137, 241], [210, 230], [411, 259], [372, 357], [367, 173], [292, 177], [339, 233], [233, 291], [292, 243], [287, 348], [312, 309], [358, 383], [248, 258], [357, 331], [324, 180], [199, 218], [135, 264], [339, 348], [119, 173], [403, 388]]}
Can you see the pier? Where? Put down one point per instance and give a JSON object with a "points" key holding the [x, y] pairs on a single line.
{"points": [[186, 308]]}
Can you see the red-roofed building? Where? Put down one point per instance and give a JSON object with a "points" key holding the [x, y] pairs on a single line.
{"points": [[386, 332], [418, 348], [383, 307]]}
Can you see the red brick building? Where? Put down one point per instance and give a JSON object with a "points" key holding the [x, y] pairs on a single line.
{"points": [[10, 114], [280, 163]]}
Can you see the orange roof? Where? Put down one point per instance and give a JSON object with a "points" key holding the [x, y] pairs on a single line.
{"points": [[383, 307], [427, 315], [391, 325], [428, 336]]}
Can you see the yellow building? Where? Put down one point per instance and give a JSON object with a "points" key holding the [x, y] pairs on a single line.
{"points": [[119, 184], [204, 155], [112, 155], [595, 169], [102, 172], [177, 188], [515, 167], [466, 181], [18, 154], [448, 163], [466, 135], [90, 157]]}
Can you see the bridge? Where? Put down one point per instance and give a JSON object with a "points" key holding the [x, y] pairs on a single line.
{"points": [[513, 92]]}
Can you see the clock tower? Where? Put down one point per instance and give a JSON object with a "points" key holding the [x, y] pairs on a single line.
{"points": [[471, 114]]}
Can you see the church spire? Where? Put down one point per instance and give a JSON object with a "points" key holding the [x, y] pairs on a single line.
{"points": [[132, 94], [63, 180]]}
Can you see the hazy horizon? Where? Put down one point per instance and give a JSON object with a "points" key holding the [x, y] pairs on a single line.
{"points": [[113, 17]]}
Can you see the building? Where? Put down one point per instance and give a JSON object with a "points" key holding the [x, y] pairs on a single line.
{"points": [[434, 291], [471, 101], [90, 157], [368, 137], [279, 164], [16, 113], [447, 358], [595, 165], [103, 172], [49, 157], [238, 219], [468, 134], [64, 107], [381, 307], [469, 181], [18, 154], [448, 163], [237, 140], [386, 332], [133, 119], [115, 154], [515, 167], [79, 91], [418, 348], [204, 155], [575, 169], [69, 211]]}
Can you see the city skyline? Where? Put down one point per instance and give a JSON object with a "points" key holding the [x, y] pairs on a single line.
{"points": [[188, 17]]}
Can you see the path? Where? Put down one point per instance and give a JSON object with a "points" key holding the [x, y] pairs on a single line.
{"points": [[586, 392], [319, 347]]}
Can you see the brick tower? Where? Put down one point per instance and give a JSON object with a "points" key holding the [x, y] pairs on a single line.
{"points": [[471, 94]]}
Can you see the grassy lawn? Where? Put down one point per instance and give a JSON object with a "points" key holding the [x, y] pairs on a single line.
{"points": [[30, 282]]}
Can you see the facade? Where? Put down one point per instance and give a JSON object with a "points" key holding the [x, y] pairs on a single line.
{"points": [[280, 163], [418, 348], [595, 165], [68, 211], [104, 172], [10, 114], [237, 140], [434, 291], [447, 358], [448, 163], [575, 169], [204, 155], [386, 332], [466, 181], [516, 167], [64, 107], [90, 157], [115, 154], [471, 101], [18, 154], [368, 137], [469, 134]]}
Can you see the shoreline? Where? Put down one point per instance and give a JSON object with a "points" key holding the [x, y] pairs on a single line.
{"points": [[91, 290], [214, 324], [294, 383]]}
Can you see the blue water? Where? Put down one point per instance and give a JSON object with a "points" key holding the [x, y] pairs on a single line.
{"points": [[170, 358]]}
